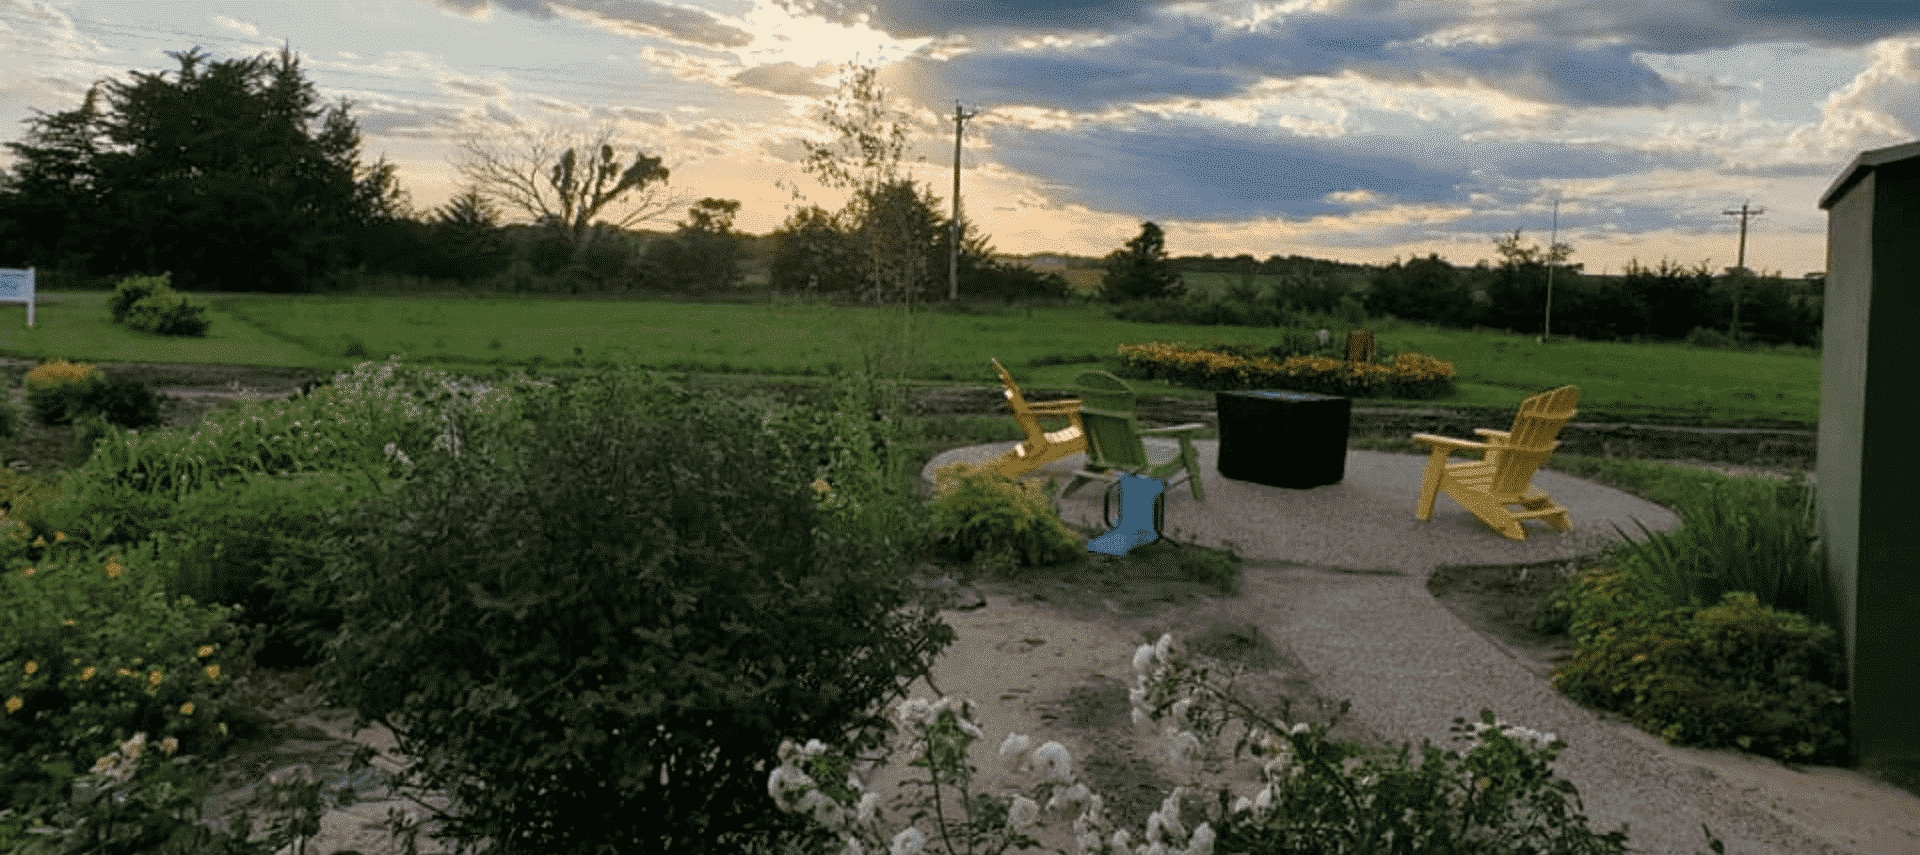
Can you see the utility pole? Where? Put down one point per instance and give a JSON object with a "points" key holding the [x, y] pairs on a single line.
{"points": [[1740, 268], [1743, 214], [1553, 237], [953, 256]]}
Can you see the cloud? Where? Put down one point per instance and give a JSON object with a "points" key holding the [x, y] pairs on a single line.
{"points": [[626, 17], [236, 26], [476, 88], [1180, 171], [921, 18], [1880, 107], [786, 78]]}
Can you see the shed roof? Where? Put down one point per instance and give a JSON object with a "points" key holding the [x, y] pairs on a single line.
{"points": [[1866, 161]]}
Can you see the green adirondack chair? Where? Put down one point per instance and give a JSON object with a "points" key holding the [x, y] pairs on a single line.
{"points": [[1114, 439]]}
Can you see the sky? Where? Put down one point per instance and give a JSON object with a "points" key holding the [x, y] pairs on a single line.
{"points": [[1356, 130]]}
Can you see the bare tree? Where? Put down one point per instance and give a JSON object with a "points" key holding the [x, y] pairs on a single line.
{"points": [[584, 175]]}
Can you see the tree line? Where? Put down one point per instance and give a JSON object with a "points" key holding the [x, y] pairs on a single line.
{"points": [[218, 176]]}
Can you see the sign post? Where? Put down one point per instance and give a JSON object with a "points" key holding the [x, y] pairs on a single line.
{"points": [[16, 286]]}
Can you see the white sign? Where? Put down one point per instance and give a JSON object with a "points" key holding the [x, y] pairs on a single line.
{"points": [[16, 286]]}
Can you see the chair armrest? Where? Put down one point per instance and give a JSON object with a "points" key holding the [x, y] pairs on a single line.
{"points": [[1439, 442], [1494, 435], [1043, 407], [1186, 428]]}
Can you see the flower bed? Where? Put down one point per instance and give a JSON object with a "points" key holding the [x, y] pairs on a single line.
{"points": [[1226, 367]]}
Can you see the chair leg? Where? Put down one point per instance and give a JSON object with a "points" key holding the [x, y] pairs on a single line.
{"points": [[1429, 490]]}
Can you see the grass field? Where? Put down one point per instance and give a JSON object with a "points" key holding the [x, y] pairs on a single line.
{"points": [[333, 333]]}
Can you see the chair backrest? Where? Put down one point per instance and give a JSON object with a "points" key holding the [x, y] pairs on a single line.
{"points": [[1012, 390], [1103, 391], [1360, 346], [1532, 439], [1113, 439]]}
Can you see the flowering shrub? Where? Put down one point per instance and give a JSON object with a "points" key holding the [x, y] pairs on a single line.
{"points": [[55, 389], [93, 652], [1736, 674], [1317, 796], [1408, 375], [597, 634], [980, 513]]}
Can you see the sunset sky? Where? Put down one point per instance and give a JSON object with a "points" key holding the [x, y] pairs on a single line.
{"points": [[1358, 131]]}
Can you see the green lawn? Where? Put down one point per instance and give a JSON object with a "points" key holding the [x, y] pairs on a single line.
{"points": [[1495, 369]]}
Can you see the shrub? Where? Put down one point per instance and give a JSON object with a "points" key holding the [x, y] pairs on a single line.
{"points": [[55, 390], [599, 637], [979, 513], [261, 542], [132, 290], [168, 314], [1704, 337], [93, 652], [1736, 674]]}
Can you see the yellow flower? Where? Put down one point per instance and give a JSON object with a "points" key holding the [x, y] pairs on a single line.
{"points": [[213, 672], [27, 572], [154, 678], [32, 667], [39, 541], [88, 674], [169, 745], [14, 704], [125, 673], [67, 622], [114, 569], [59, 536], [206, 650], [187, 709]]}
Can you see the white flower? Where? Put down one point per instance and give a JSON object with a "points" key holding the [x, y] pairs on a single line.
{"points": [[1014, 750], [1141, 721], [854, 848], [1163, 649], [1165, 822], [785, 785], [911, 714], [1143, 660], [971, 729], [1053, 757], [1023, 813], [908, 842], [814, 748], [1122, 842], [1077, 794], [1181, 748], [864, 810], [1299, 728], [1263, 799], [1201, 843], [1086, 843], [1138, 696], [1180, 709]]}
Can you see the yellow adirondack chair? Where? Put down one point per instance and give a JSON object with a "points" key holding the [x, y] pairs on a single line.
{"points": [[1114, 439], [1041, 446], [1503, 478]]}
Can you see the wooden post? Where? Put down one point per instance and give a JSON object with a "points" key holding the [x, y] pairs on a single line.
{"points": [[1869, 487]]}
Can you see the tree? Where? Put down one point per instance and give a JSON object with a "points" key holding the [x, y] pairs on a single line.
{"points": [[466, 231], [1424, 289], [49, 202], [704, 255], [219, 178], [1142, 270], [864, 156], [814, 255], [585, 178]]}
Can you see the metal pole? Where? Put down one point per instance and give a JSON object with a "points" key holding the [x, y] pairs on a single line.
{"points": [[953, 253], [1546, 330]]}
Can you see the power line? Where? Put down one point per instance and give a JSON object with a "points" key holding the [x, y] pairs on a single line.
{"points": [[953, 257]]}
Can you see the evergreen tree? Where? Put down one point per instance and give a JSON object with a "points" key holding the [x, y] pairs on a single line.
{"points": [[1142, 271]]}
